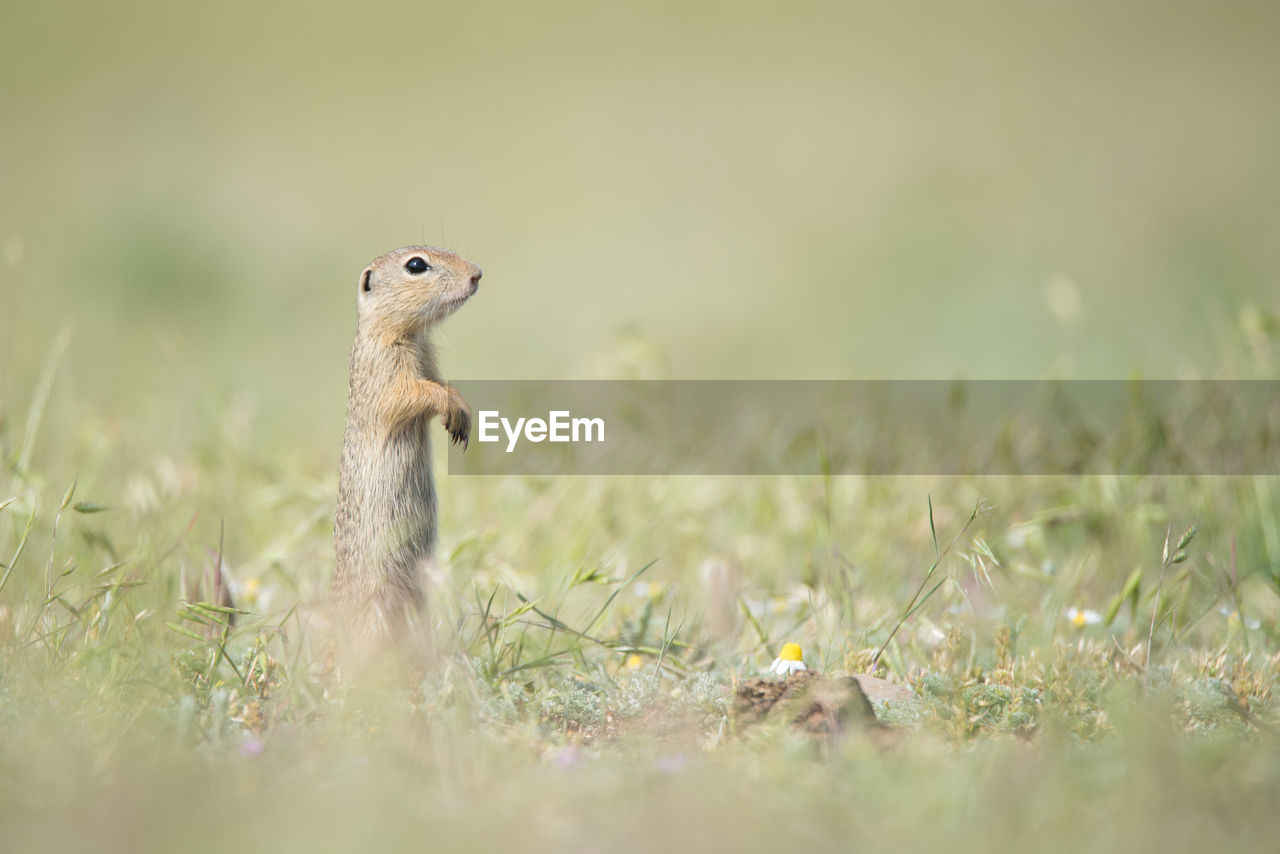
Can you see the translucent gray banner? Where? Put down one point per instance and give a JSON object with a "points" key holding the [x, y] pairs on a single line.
{"points": [[870, 427]]}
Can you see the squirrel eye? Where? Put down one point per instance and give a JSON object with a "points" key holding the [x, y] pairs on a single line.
{"points": [[417, 266]]}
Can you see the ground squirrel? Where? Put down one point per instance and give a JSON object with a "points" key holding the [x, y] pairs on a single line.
{"points": [[385, 525]]}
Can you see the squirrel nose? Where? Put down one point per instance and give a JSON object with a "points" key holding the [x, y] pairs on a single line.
{"points": [[475, 279]]}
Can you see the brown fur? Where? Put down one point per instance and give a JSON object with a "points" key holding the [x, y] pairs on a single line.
{"points": [[385, 525]]}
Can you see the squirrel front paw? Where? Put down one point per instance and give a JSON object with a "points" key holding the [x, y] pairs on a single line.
{"points": [[457, 421]]}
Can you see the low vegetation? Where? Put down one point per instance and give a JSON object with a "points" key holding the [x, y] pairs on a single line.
{"points": [[1093, 660]]}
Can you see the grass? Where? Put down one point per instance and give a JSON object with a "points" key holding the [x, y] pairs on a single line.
{"points": [[592, 631]]}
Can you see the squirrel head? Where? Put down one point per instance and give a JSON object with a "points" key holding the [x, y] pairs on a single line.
{"points": [[409, 290]]}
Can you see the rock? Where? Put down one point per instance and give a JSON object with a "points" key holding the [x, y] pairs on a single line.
{"points": [[882, 689], [809, 702]]}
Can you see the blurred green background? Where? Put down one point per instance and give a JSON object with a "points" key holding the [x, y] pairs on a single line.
{"points": [[816, 190]]}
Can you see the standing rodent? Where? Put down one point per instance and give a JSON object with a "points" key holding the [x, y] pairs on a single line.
{"points": [[385, 526]]}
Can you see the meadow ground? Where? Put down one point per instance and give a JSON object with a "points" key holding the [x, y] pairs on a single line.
{"points": [[592, 630]]}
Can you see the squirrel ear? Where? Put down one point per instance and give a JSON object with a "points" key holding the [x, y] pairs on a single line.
{"points": [[365, 285]]}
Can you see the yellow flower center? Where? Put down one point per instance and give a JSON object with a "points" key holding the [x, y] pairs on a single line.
{"points": [[1080, 619], [791, 652]]}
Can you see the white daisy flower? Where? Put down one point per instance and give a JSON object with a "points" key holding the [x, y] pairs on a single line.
{"points": [[1234, 617], [251, 594], [1081, 617], [789, 660]]}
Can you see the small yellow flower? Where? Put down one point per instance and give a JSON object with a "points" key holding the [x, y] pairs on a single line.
{"points": [[789, 660], [1234, 621], [1081, 617], [252, 593], [633, 662]]}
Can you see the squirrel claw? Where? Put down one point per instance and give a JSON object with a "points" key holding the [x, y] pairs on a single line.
{"points": [[458, 424]]}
